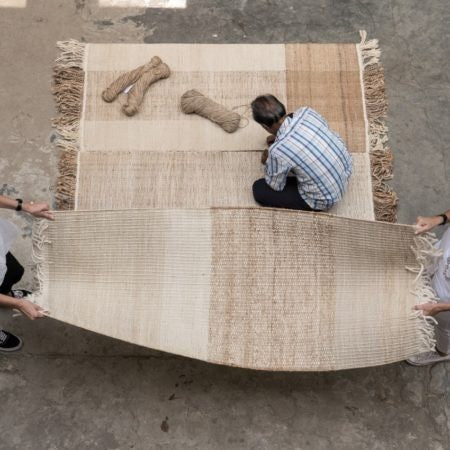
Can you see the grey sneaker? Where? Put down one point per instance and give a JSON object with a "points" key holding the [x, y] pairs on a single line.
{"points": [[424, 359], [9, 342]]}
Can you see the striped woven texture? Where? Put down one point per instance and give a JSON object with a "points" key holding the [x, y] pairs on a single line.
{"points": [[165, 246], [264, 289], [142, 159]]}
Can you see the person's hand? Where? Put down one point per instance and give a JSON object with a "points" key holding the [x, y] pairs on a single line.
{"points": [[29, 309], [424, 224], [40, 210], [264, 156], [270, 139], [429, 309]]}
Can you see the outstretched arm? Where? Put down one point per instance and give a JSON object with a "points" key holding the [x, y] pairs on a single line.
{"points": [[431, 309], [424, 224], [27, 308], [41, 210]]}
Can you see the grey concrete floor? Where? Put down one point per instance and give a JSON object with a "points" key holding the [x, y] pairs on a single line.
{"points": [[70, 388]]}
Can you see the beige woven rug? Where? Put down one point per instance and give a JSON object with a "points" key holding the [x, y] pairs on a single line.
{"points": [[257, 288], [108, 152], [166, 247]]}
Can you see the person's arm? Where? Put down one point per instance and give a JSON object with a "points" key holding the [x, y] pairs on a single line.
{"points": [[264, 156], [269, 140], [424, 224], [431, 309], [41, 210], [27, 308], [276, 172]]}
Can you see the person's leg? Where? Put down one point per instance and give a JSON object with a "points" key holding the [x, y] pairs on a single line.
{"points": [[9, 342], [14, 273], [289, 197], [442, 330], [442, 353]]}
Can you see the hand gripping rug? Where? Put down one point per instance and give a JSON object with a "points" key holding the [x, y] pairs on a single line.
{"points": [[162, 245]]}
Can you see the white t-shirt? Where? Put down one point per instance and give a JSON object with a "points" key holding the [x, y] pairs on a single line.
{"points": [[441, 277], [8, 233]]}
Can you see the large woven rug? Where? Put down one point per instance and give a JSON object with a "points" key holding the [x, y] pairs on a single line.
{"points": [[166, 247], [257, 288], [114, 161]]}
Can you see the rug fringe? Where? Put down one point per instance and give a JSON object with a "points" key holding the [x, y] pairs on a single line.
{"points": [[39, 239], [381, 157], [426, 254], [68, 85]]}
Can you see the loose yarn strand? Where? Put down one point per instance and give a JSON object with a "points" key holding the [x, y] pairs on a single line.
{"points": [[244, 117]]}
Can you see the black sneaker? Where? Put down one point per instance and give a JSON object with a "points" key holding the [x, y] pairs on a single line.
{"points": [[9, 342], [20, 293]]}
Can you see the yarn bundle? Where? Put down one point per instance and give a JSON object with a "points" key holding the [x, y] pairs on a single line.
{"points": [[195, 102], [141, 78], [192, 101]]}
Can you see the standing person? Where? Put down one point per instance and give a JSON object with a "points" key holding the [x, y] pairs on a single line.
{"points": [[440, 274], [301, 143], [11, 271]]}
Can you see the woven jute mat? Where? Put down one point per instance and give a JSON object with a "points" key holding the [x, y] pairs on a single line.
{"points": [[162, 245], [105, 150], [258, 288]]}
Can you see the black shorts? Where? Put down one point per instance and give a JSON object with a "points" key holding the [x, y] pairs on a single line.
{"points": [[14, 273]]}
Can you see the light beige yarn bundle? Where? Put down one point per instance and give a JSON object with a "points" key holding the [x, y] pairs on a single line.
{"points": [[127, 79], [137, 92], [141, 79], [194, 101]]}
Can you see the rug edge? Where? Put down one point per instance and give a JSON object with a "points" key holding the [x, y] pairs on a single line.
{"points": [[381, 157], [68, 88]]}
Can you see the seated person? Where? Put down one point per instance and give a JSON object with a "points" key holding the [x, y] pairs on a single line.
{"points": [[301, 143]]}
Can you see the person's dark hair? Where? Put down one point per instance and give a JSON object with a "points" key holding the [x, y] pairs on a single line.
{"points": [[267, 110]]}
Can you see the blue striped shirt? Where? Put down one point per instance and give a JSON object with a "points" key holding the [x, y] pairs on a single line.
{"points": [[315, 154]]}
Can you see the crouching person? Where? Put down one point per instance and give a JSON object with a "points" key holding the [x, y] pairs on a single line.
{"points": [[301, 143]]}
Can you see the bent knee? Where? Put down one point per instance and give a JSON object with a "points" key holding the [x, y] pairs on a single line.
{"points": [[19, 272], [259, 188]]}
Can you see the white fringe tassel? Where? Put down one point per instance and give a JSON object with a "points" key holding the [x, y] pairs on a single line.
{"points": [[39, 241], [426, 255], [72, 53]]}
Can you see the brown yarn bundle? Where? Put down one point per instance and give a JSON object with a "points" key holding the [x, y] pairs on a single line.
{"points": [[127, 79], [137, 92], [195, 102]]}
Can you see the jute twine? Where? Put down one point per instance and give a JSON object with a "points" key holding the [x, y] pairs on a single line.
{"points": [[195, 102], [127, 79], [137, 92], [140, 78]]}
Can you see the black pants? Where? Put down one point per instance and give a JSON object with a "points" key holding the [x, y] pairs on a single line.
{"points": [[289, 197], [14, 273]]}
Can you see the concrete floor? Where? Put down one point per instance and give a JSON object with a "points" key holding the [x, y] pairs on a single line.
{"points": [[70, 388]]}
